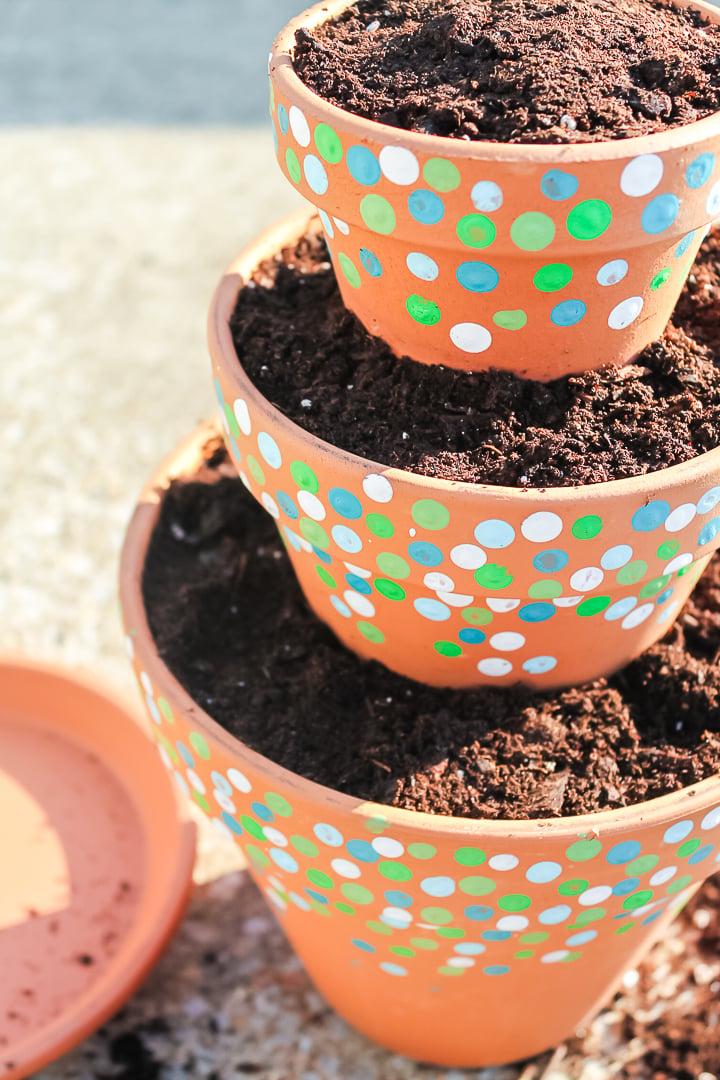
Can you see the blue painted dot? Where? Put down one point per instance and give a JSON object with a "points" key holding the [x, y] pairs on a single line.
{"points": [[438, 886], [284, 860], [469, 948], [568, 313], [431, 609], [221, 783], [371, 262], [328, 834], [496, 935], [359, 584], [651, 918], [664, 596], [398, 899], [269, 450], [660, 213], [709, 531], [422, 266], [542, 872], [617, 556], [345, 503], [425, 553], [540, 665], [650, 517], [260, 810], [219, 393], [233, 825], [322, 555], [496, 969], [478, 913], [315, 174], [346, 539], [393, 969], [550, 562], [535, 613], [340, 607], [185, 754], [582, 938], [287, 505], [708, 501], [235, 450], [620, 609], [558, 185], [494, 533], [471, 636], [677, 832], [283, 119], [364, 946], [317, 896], [554, 915], [624, 852], [362, 850], [700, 170], [363, 165], [292, 539], [700, 855], [426, 207], [684, 244], [623, 888], [477, 277]]}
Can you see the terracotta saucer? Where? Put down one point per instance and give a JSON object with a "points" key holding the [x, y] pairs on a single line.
{"points": [[95, 861]]}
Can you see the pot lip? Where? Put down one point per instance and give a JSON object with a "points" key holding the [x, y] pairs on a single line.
{"points": [[283, 73], [225, 359], [183, 461]]}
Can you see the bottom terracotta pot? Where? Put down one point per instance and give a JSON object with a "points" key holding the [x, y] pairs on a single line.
{"points": [[456, 942]]}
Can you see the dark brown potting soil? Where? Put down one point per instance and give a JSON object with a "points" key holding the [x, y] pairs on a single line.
{"points": [[516, 70], [315, 361], [230, 622]]}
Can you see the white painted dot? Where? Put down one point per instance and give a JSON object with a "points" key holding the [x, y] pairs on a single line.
{"points": [[541, 527], [342, 609], [299, 126], [224, 801], [270, 505], [269, 450], [359, 603], [145, 680], [461, 962], [507, 641], [378, 488], [555, 957], [387, 847], [275, 836], [438, 582], [501, 606], [679, 563], [513, 923], [612, 272], [358, 570], [181, 782], [328, 834], [397, 917], [399, 165], [456, 600], [346, 539], [494, 666], [711, 819], [311, 505], [315, 174], [239, 781], [422, 266], [486, 196], [246, 483], [566, 601], [666, 874], [326, 224], [625, 313], [129, 647], [468, 556], [342, 226], [680, 517], [637, 616], [641, 175], [165, 758], [712, 205], [503, 862], [598, 895], [617, 556], [470, 337], [242, 415], [305, 545], [345, 868], [587, 579]]}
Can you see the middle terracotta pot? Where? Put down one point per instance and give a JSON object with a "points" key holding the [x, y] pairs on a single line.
{"points": [[457, 584]]}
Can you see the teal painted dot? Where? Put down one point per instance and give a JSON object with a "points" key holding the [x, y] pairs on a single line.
{"points": [[493, 576], [585, 528], [380, 526], [510, 320], [553, 277], [345, 503], [568, 313], [425, 553], [476, 231], [328, 144], [426, 207], [660, 213], [283, 119], [371, 263], [532, 231], [378, 214], [441, 174], [293, 165], [430, 514], [650, 517], [700, 170], [589, 219], [363, 165], [422, 311], [558, 185], [536, 613], [477, 277], [583, 850], [660, 278], [350, 272], [304, 477]]}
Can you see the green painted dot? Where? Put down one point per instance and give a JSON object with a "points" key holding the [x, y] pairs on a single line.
{"points": [[422, 851], [424, 943], [532, 231], [200, 746], [590, 916], [476, 231], [378, 214], [592, 606], [166, 711], [278, 804], [477, 886], [376, 824], [634, 571], [378, 927], [447, 648], [685, 570], [231, 421], [493, 576], [569, 959], [314, 533], [380, 526], [642, 865], [257, 855], [455, 971], [524, 954], [328, 144], [256, 469], [392, 565], [402, 950], [668, 549], [450, 932], [688, 847], [585, 528], [514, 902], [430, 514], [390, 589], [304, 846], [326, 577], [625, 927], [637, 899], [350, 272], [441, 175], [573, 887], [583, 850], [317, 877], [552, 277], [251, 826], [304, 477], [438, 916], [370, 632], [470, 856], [545, 590], [535, 937], [655, 585], [512, 319], [293, 165], [589, 219], [201, 801], [394, 871], [169, 749], [356, 894], [660, 278], [476, 616], [422, 311], [344, 909], [679, 884]]}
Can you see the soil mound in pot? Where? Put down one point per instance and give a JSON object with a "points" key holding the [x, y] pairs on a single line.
{"points": [[315, 361], [514, 70], [232, 625]]}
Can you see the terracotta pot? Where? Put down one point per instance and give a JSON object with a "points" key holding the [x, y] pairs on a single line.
{"points": [[540, 259], [457, 942], [462, 584]]}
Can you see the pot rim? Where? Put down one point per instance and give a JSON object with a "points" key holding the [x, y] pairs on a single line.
{"points": [[225, 359], [282, 72], [184, 461]]}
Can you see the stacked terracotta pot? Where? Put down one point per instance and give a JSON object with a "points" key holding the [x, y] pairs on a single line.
{"points": [[464, 942]]}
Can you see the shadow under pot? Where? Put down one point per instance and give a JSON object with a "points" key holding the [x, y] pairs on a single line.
{"points": [[540, 259], [458, 584], [456, 941]]}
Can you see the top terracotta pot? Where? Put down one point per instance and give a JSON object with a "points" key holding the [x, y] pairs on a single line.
{"points": [[544, 260]]}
